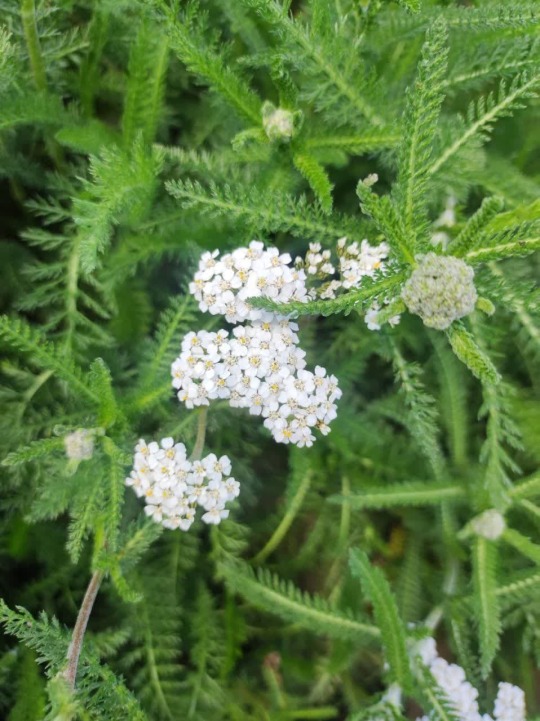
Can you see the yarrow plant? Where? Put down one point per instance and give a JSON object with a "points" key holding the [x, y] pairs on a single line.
{"points": [[264, 438]]}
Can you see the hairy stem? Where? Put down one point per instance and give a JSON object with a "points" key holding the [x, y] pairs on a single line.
{"points": [[28, 17], [201, 435], [74, 650]]}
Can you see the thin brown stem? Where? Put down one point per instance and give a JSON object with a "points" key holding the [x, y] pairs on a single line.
{"points": [[74, 650]]}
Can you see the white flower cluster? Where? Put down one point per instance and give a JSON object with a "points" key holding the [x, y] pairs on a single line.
{"points": [[317, 261], [260, 367], [223, 284], [79, 445], [173, 486], [440, 290], [509, 704], [358, 261], [462, 696], [355, 263]]}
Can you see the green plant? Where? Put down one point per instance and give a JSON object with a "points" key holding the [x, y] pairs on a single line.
{"points": [[391, 493]]}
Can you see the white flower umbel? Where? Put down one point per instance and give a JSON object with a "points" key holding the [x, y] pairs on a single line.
{"points": [[173, 487], [489, 524], [440, 290], [358, 261], [79, 445], [461, 695], [317, 261], [223, 285], [509, 704], [262, 368]]}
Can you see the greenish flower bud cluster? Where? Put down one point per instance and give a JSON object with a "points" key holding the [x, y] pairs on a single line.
{"points": [[440, 290], [279, 124], [79, 445]]}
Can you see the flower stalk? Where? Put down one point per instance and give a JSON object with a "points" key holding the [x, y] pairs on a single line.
{"points": [[75, 646]]}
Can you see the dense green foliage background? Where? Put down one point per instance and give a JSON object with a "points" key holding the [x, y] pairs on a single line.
{"points": [[131, 138]]}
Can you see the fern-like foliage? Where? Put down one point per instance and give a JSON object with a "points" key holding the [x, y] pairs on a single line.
{"points": [[144, 94], [281, 598], [49, 357], [486, 606], [106, 694], [153, 659], [122, 187], [420, 126], [482, 115], [187, 37], [378, 591], [284, 214], [404, 494], [421, 411]]}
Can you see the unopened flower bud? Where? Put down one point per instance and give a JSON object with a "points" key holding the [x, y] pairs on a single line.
{"points": [[489, 524], [79, 445], [440, 290], [370, 180], [278, 123]]}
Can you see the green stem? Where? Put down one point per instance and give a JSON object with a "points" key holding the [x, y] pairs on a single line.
{"points": [[345, 522], [286, 521], [449, 588], [28, 17], [201, 435], [334, 580]]}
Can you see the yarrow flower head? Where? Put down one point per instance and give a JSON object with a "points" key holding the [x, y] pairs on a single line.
{"points": [[262, 368], [358, 261], [462, 696], [260, 365], [317, 261], [79, 445], [173, 487], [440, 290], [509, 704], [222, 285]]}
